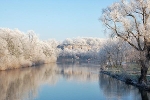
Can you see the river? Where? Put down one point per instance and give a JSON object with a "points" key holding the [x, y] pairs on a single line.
{"points": [[65, 81]]}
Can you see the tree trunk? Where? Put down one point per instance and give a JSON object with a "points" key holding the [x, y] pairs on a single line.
{"points": [[143, 95], [145, 65], [144, 69]]}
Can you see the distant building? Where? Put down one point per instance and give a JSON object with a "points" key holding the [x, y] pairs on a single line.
{"points": [[74, 46]]}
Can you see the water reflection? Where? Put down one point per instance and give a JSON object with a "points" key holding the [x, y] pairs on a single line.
{"points": [[117, 90], [24, 84], [79, 72]]}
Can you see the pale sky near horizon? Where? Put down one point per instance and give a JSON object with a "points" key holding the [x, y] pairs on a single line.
{"points": [[55, 19]]}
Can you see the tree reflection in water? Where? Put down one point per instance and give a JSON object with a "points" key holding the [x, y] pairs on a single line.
{"points": [[117, 90], [79, 72], [23, 84]]}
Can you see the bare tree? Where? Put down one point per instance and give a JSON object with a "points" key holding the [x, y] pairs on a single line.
{"points": [[130, 21], [113, 52]]}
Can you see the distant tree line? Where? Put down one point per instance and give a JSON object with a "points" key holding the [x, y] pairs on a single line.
{"points": [[110, 52], [80, 48], [20, 49]]}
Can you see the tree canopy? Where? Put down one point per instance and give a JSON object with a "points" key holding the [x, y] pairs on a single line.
{"points": [[129, 20]]}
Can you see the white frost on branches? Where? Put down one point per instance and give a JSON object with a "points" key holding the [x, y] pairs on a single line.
{"points": [[18, 49], [84, 48], [129, 20]]}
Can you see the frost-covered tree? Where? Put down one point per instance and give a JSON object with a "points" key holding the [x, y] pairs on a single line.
{"points": [[50, 50], [130, 21], [113, 52], [18, 49], [82, 48]]}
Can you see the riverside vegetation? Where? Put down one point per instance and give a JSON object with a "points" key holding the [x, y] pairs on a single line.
{"points": [[18, 49]]}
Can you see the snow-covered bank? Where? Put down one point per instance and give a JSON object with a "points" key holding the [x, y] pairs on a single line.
{"points": [[127, 80], [18, 49]]}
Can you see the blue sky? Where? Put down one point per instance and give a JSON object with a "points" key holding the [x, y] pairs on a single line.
{"points": [[57, 19]]}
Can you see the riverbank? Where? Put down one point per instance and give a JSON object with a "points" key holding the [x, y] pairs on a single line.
{"points": [[127, 79]]}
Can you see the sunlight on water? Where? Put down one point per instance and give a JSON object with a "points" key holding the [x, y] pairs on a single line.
{"points": [[64, 82]]}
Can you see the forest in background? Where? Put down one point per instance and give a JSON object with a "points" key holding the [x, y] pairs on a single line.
{"points": [[19, 49]]}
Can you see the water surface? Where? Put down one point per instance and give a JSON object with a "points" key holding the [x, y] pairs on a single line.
{"points": [[70, 81]]}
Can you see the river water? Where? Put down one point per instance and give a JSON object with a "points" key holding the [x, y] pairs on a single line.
{"points": [[69, 81]]}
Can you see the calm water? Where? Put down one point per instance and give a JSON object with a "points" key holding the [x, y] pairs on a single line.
{"points": [[64, 82]]}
